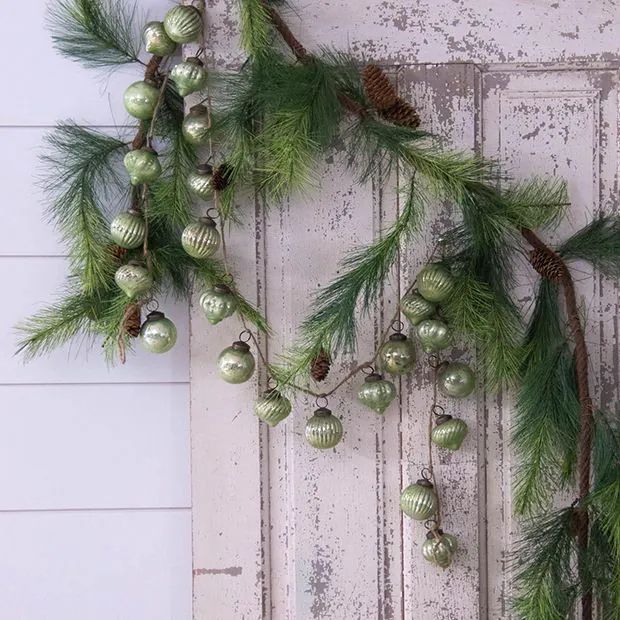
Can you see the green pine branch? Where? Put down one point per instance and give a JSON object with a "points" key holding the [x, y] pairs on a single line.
{"points": [[536, 203], [256, 31]]}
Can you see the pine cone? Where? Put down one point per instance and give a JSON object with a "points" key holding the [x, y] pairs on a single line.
{"points": [[402, 113], [319, 369], [378, 87], [133, 320], [117, 252], [548, 265], [221, 177]]}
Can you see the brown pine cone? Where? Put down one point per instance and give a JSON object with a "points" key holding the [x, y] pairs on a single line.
{"points": [[221, 177], [548, 265], [117, 252], [402, 113], [133, 320], [378, 87], [319, 369]]}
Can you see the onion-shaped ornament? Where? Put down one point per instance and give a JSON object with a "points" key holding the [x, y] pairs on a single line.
{"points": [[456, 379], [201, 239], [435, 282], [397, 355], [141, 99], [142, 165], [133, 279], [272, 408], [158, 333], [419, 500], [189, 76], [183, 24], [218, 303], [416, 308], [156, 41], [200, 182], [236, 363], [377, 393], [449, 432], [434, 335], [323, 430], [437, 549], [128, 229], [195, 126]]}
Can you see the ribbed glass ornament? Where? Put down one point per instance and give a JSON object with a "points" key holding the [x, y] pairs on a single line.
{"points": [[272, 407], [183, 24], [323, 430], [449, 432], [435, 282], [201, 239], [156, 41], [200, 182], [416, 308], [397, 355], [235, 363], [418, 500], [456, 380], [377, 393], [195, 126], [189, 76], [128, 229], [142, 165], [218, 303], [434, 335], [141, 99], [437, 551], [133, 279], [158, 334]]}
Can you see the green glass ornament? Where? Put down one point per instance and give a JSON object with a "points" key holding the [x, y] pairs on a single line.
{"points": [[195, 126], [133, 279], [449, 432], [236, 364], [141, 99], [218, 303], [434, 335], [435, 282], [128, 229], [201, 239], [418, 500], [156, 41], [377, 393], [456, 379], [183, 24], [397, 355], [272, 408], [158, 334], [200, 182], [189, 76], [323, 430], [142, 165], [437, 550], [416, 308]]}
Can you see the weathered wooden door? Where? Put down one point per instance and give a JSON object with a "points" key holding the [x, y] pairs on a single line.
{"points": [[281, 531]]}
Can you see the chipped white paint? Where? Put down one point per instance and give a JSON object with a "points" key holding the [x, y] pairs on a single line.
{"points": [[285, 532]]}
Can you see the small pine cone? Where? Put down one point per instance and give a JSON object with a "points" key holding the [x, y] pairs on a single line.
{"points": [[319, 369], [402, 113], [133, 320], [378, 87], [548, 264], [221, 177], [117, 252]]}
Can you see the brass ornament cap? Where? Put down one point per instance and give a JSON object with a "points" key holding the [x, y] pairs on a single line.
{"points": [[142, 165], [189, 76], [323, 430], [158, 333], [201, 239], [140, 100], [397, 355], [236, 363], [419, 501], [195, 127], [456, 380], [376, 393], [449, 432], [434, 335], [183, 24], [416, 308], [435, 282], [272, 407], [133, 279], [128, 229], [156, 41], [218, 303]]}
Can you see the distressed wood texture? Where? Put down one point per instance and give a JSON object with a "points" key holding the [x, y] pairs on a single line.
{"points": [[285, 532]]}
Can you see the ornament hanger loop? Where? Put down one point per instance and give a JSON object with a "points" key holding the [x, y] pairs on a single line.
{"points": [[431, 524], [213, 213], [438, 410], [151, 305], [227, 278], [398, 326], [272, 384], [433, 361], [426, 474], [245, 335], [321, 401], [368, 369]]}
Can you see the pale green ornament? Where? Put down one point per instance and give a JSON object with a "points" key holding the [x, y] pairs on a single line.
{"points": [[158, 334], [323, 430], [201, 239], [456, 379], [183, 24], [397, 355], [195, 126], [434, 335], [128, 229], [419, 500], [449, 432], [133, 279], [189, 76], [142, 165], [200, 182], [377, 393], [156, 41], [416, 308], [141, 99], [218, 303], [435, 282], [272, 408], [437, 549], [235, 363]]}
